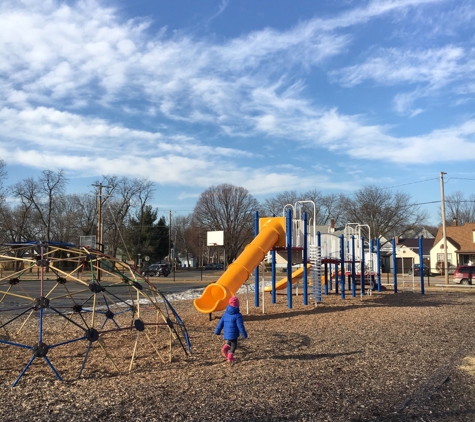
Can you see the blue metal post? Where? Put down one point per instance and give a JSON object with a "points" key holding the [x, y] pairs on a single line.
{"points": [[342, 260], [326, 279], [353, 268], [273, 276], [394, 264], [319, 273], [289, 257], [378, 257], [256, 270], [330, 279], [305, 259], [336, 279], [421, 264], [371, 250], [362, 277]]}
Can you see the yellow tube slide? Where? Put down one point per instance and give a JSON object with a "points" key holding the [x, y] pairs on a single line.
{"points": [[282, 284], [215, 297]]}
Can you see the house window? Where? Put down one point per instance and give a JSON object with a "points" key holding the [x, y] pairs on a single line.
{"points": [[440, 257], [473, 236]]}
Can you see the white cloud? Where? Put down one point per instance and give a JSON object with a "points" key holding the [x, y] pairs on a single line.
{"points": [[436, 67], [430, 71], [77, 82]]}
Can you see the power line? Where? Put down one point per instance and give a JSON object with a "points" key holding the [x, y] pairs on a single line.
{"points": [[460, 178], [411, 183], [425, 203]]}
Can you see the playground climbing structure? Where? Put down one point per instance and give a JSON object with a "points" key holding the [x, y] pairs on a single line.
{"points": [[297, 241], [75, 307]]}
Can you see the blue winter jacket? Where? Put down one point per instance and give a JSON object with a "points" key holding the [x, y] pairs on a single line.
{"points": [[232, 323]]}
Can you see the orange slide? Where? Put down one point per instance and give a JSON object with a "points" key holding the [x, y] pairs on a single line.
{"points": [[282, 284], [215, 297]]}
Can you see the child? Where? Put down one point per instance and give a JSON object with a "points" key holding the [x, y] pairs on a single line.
{"points": [[233, 325]]}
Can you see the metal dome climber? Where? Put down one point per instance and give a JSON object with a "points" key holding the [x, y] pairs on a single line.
{"points": [[61, 303]]}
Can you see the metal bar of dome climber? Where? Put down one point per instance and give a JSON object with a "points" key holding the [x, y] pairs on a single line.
{"points": [[342, 263], [288, 222], [378, 262], [362, 267], [305, 258], [41, 349], [256, 270], [393, 241], [421, 264], [353, 267]]}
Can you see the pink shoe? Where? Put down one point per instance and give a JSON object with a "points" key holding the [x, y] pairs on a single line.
{"points": [[231, 358], [225, 350]]}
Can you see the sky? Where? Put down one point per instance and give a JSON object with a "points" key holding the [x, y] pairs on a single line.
{"points": [[269, 95]]}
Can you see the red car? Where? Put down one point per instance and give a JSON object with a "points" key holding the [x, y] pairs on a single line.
{"points": [[464, 274]]}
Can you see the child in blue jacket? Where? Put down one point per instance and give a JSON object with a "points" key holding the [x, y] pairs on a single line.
{"points": [[233, 325]]}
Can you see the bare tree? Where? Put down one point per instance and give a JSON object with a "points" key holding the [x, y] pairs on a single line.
{"points": [[42, 195], [387, 214], [85, 206], [231, 209], [19, 223], [275, 205], [121, 196], [460, 208], [180, 236], [326, 206], [3, 176], [196, 240]]}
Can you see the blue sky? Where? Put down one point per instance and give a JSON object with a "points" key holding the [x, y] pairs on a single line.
{"points": [[271, 95]]}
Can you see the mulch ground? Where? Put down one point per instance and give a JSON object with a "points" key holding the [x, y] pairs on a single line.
{"points": [[386, 357]]}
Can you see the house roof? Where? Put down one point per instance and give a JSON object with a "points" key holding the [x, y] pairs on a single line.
{"points": [[326, 229], [413, 244], [459, 236]]}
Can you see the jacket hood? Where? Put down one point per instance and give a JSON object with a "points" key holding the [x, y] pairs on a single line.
{"points": [[232, 310]]}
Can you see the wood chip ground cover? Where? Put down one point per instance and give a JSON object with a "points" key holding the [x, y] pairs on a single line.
{"points": [[388, 357]]}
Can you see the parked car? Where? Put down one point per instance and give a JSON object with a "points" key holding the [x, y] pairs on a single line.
{"points": [[451, 270], [416, 269], [156, 270], [464, 274], [214, 267]]}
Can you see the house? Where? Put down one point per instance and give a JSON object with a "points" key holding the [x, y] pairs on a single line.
{"points": [[281, 253], [460, 246], [407, 253]]}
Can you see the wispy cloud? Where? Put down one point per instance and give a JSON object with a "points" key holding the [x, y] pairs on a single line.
{"points": [[85, 90], [221, 8]]}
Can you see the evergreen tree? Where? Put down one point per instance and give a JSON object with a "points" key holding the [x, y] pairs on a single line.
{"points": [[147, 235]]}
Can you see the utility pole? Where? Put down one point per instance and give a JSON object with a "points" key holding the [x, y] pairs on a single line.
{"points": [[99, 227], [99, 216], [99, 243], [170, 239], [444, 230]]}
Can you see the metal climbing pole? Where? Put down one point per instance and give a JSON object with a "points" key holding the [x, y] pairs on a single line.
{"points": [[315, 253]]}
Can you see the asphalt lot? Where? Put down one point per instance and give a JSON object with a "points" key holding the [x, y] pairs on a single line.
{"points": [[29, 288], [176, 282]]}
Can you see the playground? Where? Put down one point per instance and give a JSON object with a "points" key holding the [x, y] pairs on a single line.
{"points": [[389, 357], [85, 337]]}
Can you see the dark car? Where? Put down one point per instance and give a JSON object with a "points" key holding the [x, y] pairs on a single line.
{"points": [[416, 269], [156, 270], [464, 274], [214, 267]]}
